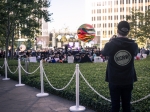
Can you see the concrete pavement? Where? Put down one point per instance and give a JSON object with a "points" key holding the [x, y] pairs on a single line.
{"points": [[23, 99]]}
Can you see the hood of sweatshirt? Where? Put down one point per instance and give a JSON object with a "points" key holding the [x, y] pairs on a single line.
{"points": [[122, 41]]}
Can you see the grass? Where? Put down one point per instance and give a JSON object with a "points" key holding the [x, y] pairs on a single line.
{"points": [[59, 74]]}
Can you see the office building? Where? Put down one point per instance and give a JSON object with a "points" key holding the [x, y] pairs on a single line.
{"points": [[104, 15]]}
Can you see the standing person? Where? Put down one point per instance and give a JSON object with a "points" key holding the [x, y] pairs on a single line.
{"points": [[120, 72]]}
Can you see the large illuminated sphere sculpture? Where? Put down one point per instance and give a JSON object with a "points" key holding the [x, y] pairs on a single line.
{"points": [[86, 33]]}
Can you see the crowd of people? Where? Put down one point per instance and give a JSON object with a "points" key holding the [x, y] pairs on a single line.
{"points": [[59, 55]]}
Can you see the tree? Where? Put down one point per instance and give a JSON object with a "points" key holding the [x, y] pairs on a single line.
{"points": [[21, 18], [140, 24]]}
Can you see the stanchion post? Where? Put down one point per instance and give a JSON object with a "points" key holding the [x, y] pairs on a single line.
{"points": [[5, 62], [77, 107], [26, 65], [42, 94], [19, 72]]}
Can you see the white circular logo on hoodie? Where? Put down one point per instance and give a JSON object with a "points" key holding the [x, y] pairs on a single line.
{"points": [[122, 57]]}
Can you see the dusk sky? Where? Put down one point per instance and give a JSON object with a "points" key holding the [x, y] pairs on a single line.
{"points": [[67, 13]]}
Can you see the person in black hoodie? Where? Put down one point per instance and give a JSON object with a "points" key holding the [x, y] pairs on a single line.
{"points": [[120, 71]]}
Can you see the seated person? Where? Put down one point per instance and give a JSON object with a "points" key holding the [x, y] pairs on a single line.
{"points": [[53, 60], [77, 58], [48, 59], [85, 58], [60, 58]]}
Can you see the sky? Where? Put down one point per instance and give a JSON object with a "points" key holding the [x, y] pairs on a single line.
{"points": [[67, 14]]}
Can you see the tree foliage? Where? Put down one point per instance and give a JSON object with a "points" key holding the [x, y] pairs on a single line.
{"points": [[140, 23], [21, 18]]}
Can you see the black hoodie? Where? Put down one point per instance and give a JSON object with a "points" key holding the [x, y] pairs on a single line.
{"points": [[120, 68]]}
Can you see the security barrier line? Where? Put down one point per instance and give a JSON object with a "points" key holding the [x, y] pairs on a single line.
{"points": [[77, 72]]}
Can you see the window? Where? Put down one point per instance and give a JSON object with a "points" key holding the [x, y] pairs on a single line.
{"points": [[127, 9], [98, 25], [127, 2], [109, 2], [120, 16], [94, 18], [98, 10], [109, 10], [94, 25], [98, 32], [121, 1], [103, 18], [115, 9], [141, 8], [98, 4], [109, 32], [132, 1], [116, 2]]}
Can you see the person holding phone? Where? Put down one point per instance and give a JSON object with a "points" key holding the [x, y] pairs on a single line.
{"points": [[120, 71]]}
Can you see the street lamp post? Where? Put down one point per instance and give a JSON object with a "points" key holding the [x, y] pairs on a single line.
{"points": [[59, 37], [67, 37], [59, 40]]}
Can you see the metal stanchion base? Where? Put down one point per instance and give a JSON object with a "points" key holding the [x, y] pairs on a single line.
{"points": [[75, 109], [6, 79], [20, 85], [42, 94]]}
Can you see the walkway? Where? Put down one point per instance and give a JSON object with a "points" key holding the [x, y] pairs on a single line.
{"points": [[23, 99]]}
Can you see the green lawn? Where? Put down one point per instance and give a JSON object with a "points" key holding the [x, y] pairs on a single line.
{"points": [[59, 74]]}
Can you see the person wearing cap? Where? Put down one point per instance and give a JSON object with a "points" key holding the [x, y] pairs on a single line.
{"points": [[120, 71]]}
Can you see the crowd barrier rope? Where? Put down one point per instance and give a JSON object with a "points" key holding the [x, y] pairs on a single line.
{"points": [[77, 72], [141, 99], [105, 97], [2, 66], [59, 89], [93, 88], [10, 70], [30, 72]]}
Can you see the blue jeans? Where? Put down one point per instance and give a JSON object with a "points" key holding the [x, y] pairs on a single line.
{"points": [[120, 94]]}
